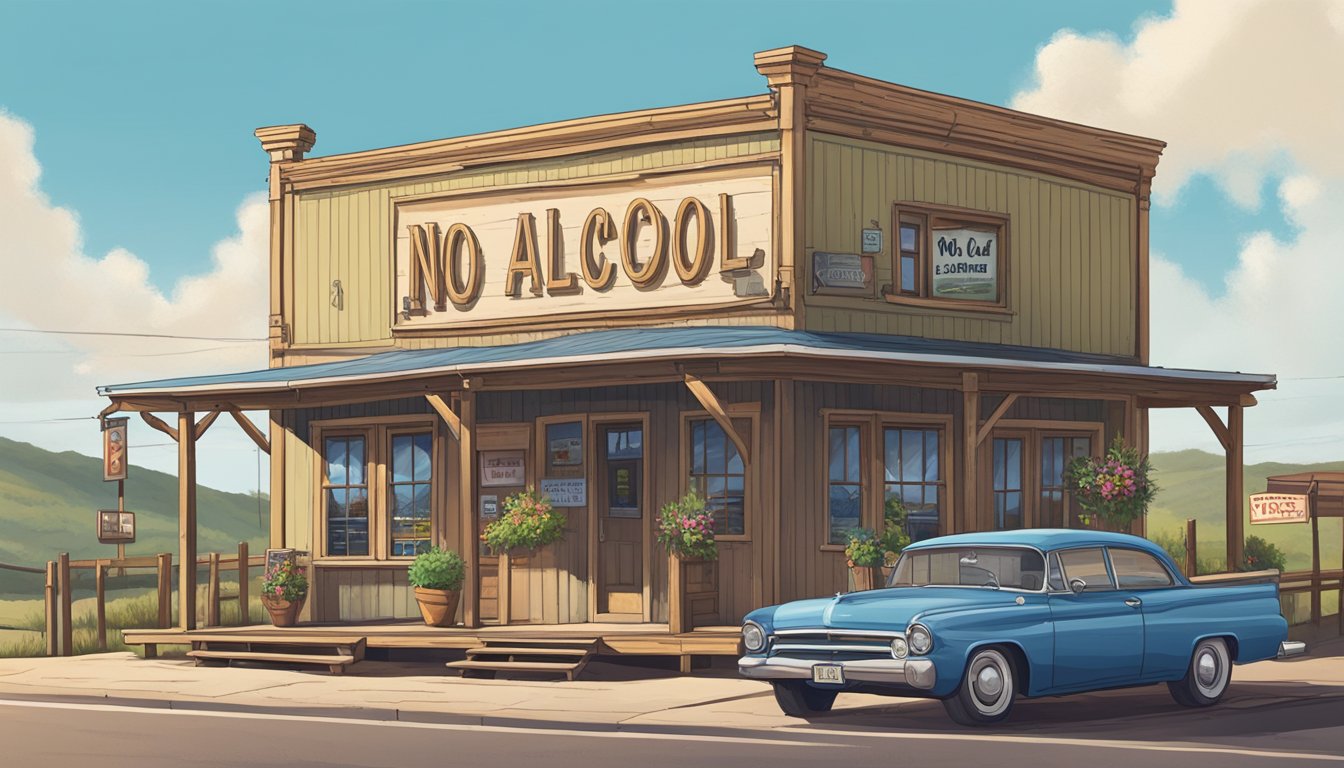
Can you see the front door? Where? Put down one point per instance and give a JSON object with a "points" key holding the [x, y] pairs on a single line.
{"points": [[620, 522]]}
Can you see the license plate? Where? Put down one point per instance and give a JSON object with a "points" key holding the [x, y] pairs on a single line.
{"points": [[833, 674]]}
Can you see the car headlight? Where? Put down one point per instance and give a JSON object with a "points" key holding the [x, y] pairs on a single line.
{"points": [[753, 637], [899, 648], [920, 639]]}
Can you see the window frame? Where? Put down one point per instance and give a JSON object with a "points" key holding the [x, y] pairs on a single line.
{"points": [[377, 433], [1115, 572], [750, 412], [865, 460], [928, 217], [390, 434], [1032, 431], [876, 423]]}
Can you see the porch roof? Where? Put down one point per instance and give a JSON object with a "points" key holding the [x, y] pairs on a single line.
{"points": [[676, 344]]}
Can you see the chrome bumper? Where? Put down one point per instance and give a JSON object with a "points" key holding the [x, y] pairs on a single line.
{"points": [[1291, 648], [916, 673]]}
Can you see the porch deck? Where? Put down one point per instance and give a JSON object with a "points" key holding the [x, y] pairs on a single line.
{"points": [[613, 639]]}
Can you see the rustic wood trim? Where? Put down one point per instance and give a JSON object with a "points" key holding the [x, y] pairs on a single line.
{"points": [[159, 424], [1142, 305], [204, 423], [251, 429], [757, 306], [186, 520], [278, 430], [466, 489], [970, 420], [706, 397], [446, 413], [1215, 423], [1236, 492], [994, 417]]}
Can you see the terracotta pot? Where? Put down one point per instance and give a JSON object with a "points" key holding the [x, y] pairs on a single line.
{"points": [[438, 607], [284, 613], [865, 577]]}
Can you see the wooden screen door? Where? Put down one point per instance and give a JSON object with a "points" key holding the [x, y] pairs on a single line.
{"points": [[620, 522]]}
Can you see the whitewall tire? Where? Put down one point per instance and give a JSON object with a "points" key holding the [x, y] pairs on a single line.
{"points": [[987, 689]]}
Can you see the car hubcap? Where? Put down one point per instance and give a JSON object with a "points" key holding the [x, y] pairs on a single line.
{"points": [[989, 682], [1206, 669]]}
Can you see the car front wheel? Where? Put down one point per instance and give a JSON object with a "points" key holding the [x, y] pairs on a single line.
{"points": [[1206, 678], [986, 692], [798, 699]]}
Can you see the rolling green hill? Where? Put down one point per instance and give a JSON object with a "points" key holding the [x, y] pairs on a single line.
{"points": [[1191, 485], [48, 503]]}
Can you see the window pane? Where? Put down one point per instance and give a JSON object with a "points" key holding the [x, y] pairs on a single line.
{"points": [[715, 461], [356, 465], [852, 453], [908, 275], [912, 455], [891, 450], [401, 459], [844, 511], [422, 454], [336, 522], [1138, 570], [1088, 565], [931, 456], [909, 237], [336, 459], [837, 453], [698, 447], [403, 499], [735, 466]]}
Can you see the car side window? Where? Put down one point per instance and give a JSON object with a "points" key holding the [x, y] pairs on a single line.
{"points": [[1055, 576], [1138, 570], [1088, 565]]}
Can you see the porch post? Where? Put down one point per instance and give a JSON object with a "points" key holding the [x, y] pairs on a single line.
{"points": [[186, 519], [1236, 539], [970, 443], [466, 489]]}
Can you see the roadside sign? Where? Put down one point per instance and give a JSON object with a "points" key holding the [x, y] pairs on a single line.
{"points": [[116, 526], [1269, 508]]}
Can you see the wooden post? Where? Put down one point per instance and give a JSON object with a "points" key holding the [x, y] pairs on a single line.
{"points": [[212, 592], [67, 627], [466, 488], [1315, 571], [186, 520], [970, 428], [51, 593], [244, 577], [1236, 535], [1191, 553], [165, 572], [100, 600], [676, 597]]}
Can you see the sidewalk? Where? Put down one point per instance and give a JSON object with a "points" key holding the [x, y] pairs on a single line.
{"points": [[610, 696]]}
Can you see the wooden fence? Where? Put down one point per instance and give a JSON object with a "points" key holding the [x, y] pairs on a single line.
{"points": [[59, 591]]}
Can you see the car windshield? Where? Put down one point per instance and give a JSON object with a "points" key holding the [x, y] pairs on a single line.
{"points": [[993, 567]]}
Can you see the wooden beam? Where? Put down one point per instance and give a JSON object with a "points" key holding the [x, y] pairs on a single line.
{"points": [[251, 430], [1236, 539], [277, 443], [470, 515], [1216, 424], [67, 619], [451, 419], [204, 424], [186, 521], [970, 418], [716, 410], [159, 424], [994, 417]]}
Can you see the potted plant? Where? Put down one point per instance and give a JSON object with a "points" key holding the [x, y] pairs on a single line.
{"points": [[894, 539], [529, 522], [283, 593], [864, 555], [437, 577], [686, 528], [1115, 489]]}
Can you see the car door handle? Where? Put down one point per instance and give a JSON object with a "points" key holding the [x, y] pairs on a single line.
{"points": [[1133, 602]]}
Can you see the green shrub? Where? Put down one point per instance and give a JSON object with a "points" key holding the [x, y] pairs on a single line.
{"points": [[437, 569], [1260, 555]]}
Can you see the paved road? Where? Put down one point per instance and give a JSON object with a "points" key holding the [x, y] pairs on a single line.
{"points": [[1258, 726]]}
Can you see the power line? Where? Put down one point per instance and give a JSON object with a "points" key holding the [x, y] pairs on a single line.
{"points": [[119, 354], [49, 331]]}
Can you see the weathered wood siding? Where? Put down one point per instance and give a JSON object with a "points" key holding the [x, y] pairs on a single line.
{"points": [[345, 234], [1072, 258]]}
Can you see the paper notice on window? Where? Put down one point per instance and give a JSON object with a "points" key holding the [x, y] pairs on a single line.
{"points": [[965, 264]]}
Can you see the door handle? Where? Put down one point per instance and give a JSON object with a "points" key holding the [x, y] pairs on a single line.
{"points": [[1133, 602]]}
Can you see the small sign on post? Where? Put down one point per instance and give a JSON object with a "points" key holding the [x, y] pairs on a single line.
{"points": [[115, 457], [1270, 508], [116, 526]]}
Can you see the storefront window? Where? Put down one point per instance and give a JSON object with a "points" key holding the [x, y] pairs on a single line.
{"points": [[912, 476], [411, 482], [720, 475], [1058, 508], [948, 256], [345, 486], [845, 501], [1007, 483]]}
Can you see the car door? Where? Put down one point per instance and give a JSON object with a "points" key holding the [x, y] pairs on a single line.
{"points": [[1169, 623], [1098, 635]]}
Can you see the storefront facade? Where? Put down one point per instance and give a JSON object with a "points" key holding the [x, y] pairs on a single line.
{"points": [[803, 303]]}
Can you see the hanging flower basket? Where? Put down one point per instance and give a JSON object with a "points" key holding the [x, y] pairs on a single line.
{"points": [[1114, 489], [686, 528], [528, 522]]}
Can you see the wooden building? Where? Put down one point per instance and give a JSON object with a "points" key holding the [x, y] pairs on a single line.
{"points": [[804, 302]]}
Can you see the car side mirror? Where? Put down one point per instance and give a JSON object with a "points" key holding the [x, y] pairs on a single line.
{"points": [[1077, 585]]}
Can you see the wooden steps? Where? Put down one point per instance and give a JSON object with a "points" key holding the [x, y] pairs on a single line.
{"points": [[335, 664], [335, 652], [559, 656]]}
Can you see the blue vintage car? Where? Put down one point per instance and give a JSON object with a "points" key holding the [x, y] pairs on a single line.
{"points": [[978, 619]]}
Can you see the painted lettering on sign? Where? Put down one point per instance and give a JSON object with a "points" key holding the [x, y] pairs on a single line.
{"points": [[1267, 508], [579, 250], [965, 264]]}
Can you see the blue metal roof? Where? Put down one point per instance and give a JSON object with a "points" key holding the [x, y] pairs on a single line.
{"points": [[677, 343], [1044, 539]]}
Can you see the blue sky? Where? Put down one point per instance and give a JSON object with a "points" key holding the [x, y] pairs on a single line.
{"points": [[144, 112]]}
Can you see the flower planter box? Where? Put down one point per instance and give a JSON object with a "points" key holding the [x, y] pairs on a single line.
{"points": [[284, 613], [865, 578], [438, 607], [693, 593]]}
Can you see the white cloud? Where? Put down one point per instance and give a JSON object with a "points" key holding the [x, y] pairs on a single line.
{"points": [[50, 282], [1244, 91]]}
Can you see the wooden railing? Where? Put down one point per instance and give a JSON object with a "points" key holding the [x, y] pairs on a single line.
{"points": [[59, 591]]}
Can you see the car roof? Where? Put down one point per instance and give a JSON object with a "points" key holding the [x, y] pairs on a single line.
{"points": [[1044, 539]]}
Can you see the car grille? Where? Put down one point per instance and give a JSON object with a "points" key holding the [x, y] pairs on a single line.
{"points": [[832, 644]]}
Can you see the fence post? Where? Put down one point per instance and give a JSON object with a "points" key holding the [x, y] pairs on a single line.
{"points": [[100, 599], [244, 576], [165, 590], [50, 595], [67, 624], [1191, 555], [212, 593]]}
